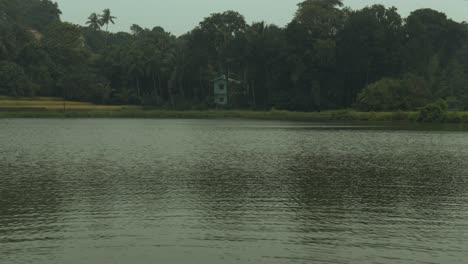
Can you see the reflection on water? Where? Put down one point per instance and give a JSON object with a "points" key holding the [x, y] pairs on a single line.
{"points": [[198, 191]]}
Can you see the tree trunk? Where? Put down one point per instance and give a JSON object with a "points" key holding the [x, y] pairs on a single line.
{"points": [[170, 85], [138, 87], [228, 92], [155, 88], [107, 34], [201, 92], [160, 86], [180, 86], [245, 91], [265, 86], [254, 99]]}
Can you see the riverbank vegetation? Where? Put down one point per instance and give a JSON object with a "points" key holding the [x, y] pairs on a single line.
{"points": [[328, 57], [343, 115], [22, 104], [57, 108]]}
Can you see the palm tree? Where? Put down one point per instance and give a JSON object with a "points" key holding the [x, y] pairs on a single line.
{"points": [[107, 18], [94, 22]]}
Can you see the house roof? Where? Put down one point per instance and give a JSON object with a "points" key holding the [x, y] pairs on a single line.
{"points": [[36, 34], [223, 77]]}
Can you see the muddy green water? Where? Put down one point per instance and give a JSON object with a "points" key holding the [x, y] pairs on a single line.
{"points": [[231, 191]]}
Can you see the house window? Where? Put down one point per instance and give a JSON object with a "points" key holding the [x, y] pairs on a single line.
{"points": [[221, 86], [221, 100]]}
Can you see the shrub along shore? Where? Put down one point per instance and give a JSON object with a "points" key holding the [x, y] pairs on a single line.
{"points": [[338, 115], [46, 107]]}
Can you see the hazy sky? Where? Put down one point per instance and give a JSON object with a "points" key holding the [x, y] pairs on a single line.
{"points": [[180, 16]]}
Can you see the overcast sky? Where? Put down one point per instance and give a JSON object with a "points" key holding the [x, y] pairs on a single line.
{"points": [[180, 16]]}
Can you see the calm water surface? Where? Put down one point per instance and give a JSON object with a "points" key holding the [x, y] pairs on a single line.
{"points": [[212, 191]]}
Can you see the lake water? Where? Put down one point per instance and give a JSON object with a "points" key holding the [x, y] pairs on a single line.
{"points": [[231, 191]]}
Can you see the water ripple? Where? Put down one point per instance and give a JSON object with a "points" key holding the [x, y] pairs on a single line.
{"points": [[212, 191]]}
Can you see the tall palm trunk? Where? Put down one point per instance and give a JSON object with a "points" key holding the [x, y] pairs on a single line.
{"points": [[161, 92], [254, 99], [138, 87], [107, 34], [170, 87], [201, 91], [155, 88]]}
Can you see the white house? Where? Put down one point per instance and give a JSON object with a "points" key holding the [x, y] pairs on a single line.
{"points": [[224, 89]]}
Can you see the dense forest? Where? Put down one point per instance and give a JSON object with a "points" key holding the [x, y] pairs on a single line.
{"points": [[328, 57]]}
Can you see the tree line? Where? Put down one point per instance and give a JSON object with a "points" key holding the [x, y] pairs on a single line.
{"points": [[328, 57]]}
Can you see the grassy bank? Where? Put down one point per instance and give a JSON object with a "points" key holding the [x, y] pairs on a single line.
{"points": [[342, 115], [8, 104], [54, 108]]}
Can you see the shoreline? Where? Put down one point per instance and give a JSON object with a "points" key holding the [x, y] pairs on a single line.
{"points": [[336, 115]]}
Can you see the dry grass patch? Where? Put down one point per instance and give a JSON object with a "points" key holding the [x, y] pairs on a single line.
{"points": [[47, 103]]}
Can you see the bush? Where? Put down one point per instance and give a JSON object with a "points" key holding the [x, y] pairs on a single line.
{"points": [[393, 94], [454, 103], [435, 112], [376, 96], [464, 102], [81, 84], [13, 80]]}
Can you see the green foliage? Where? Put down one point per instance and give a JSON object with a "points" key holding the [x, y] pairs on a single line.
{"points": [[65, 43], [435, 112], [454, 103], [327, 57], [35, 14], [13, 80], [82, 84], [320, 16], [430, 33], [7, 41], [464, 102], [369, 47], [456, 117], [393, 94], [94, 22], [106, 18], [39, 14]]}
